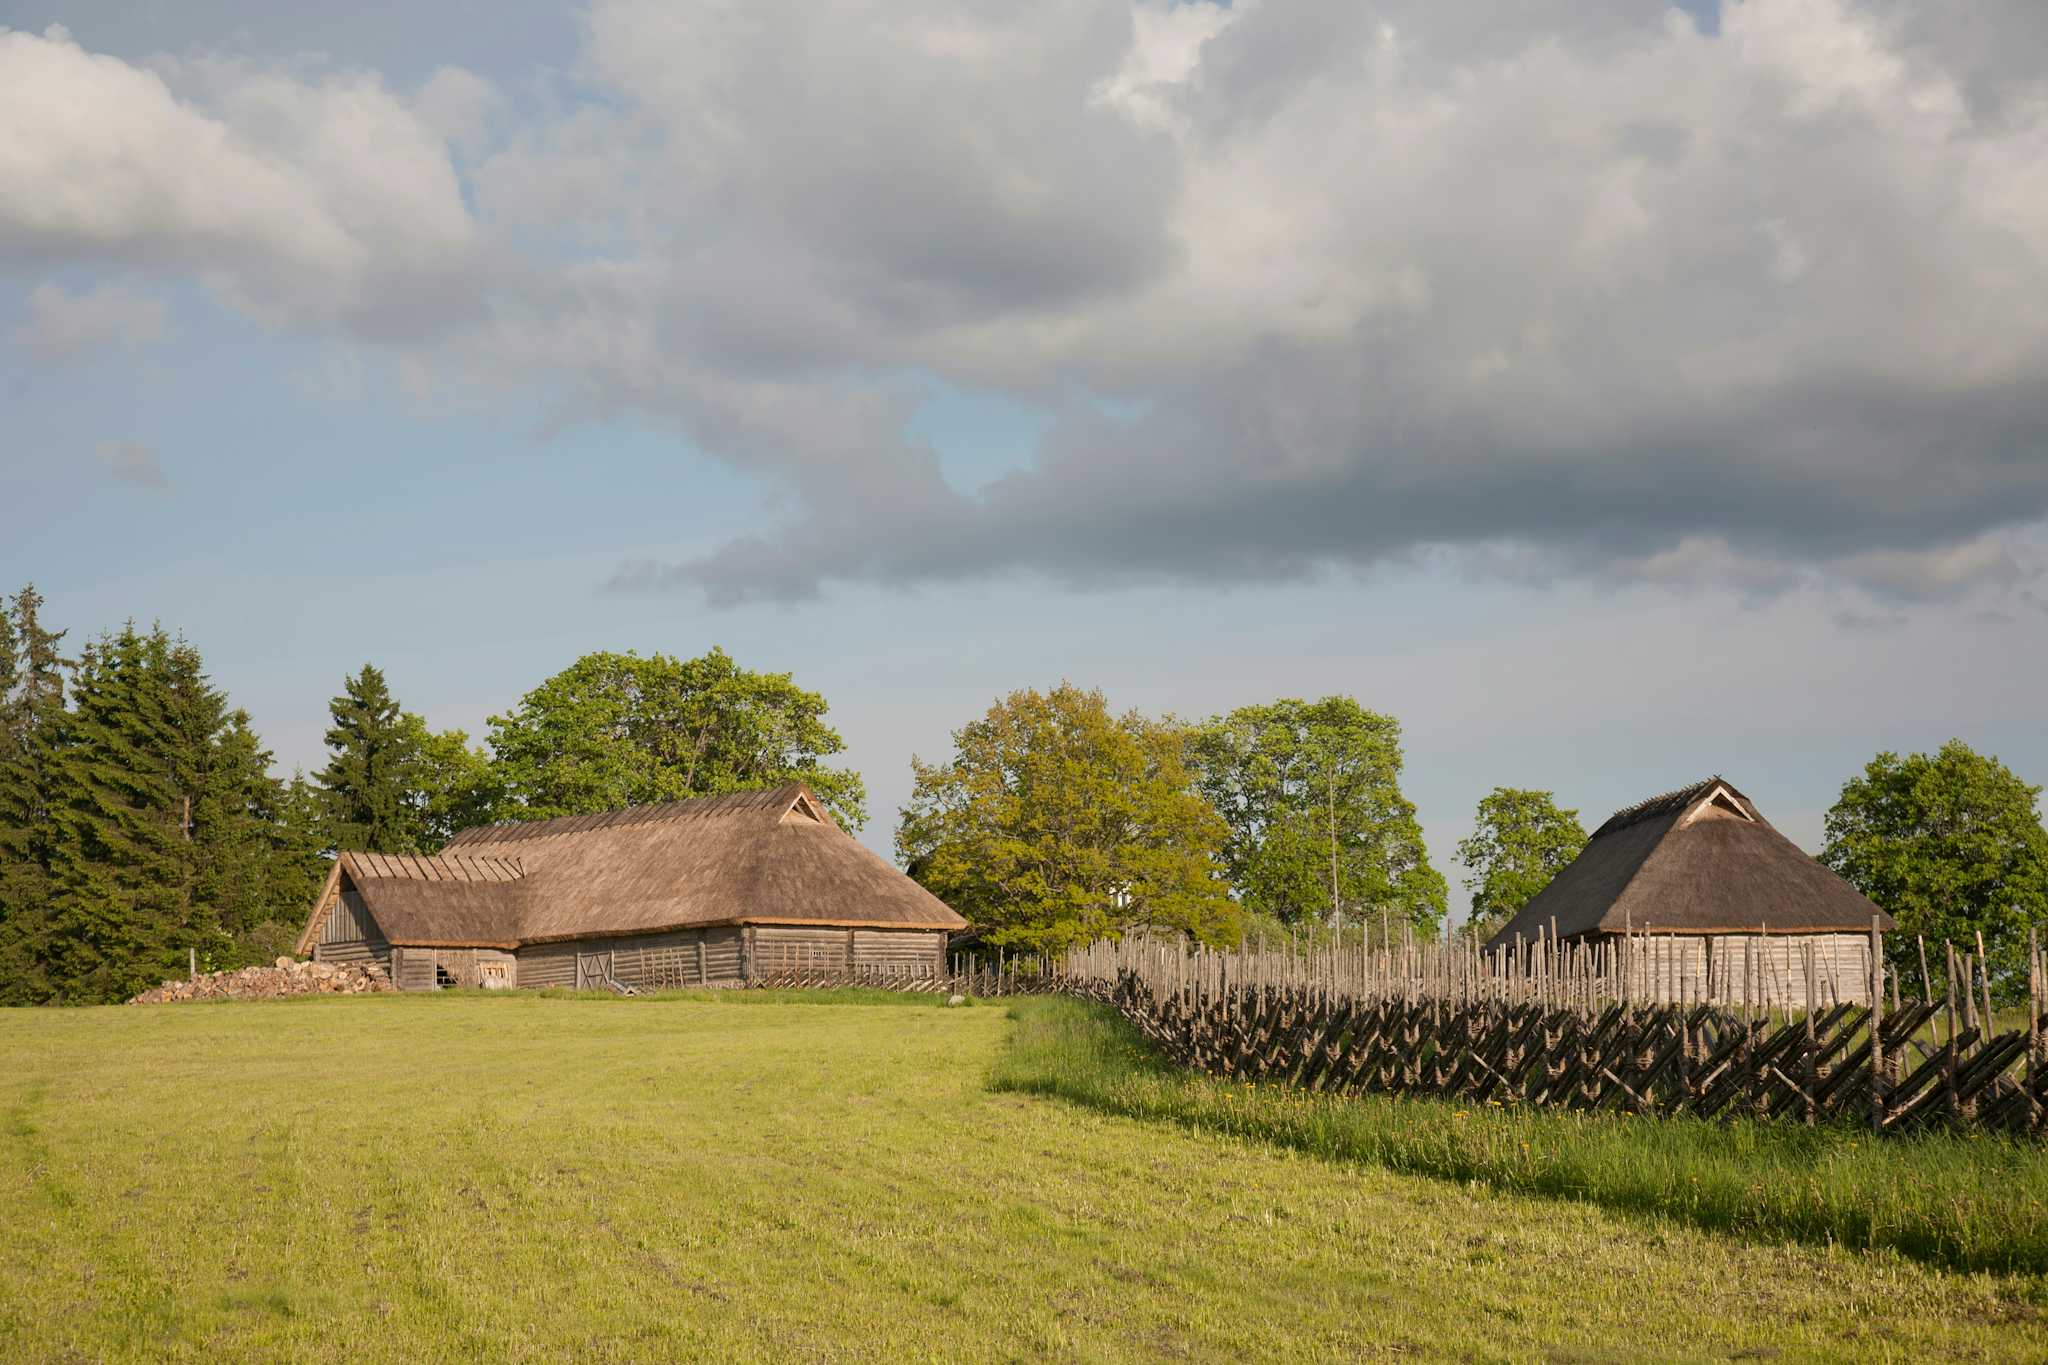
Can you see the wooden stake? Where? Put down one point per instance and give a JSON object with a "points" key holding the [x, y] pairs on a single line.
{"points": [[1984, 976], [1876, 1027]]}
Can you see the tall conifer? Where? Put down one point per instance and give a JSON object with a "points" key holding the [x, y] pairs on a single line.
{"points": [[31, 715], [120, 913], [370, 780]]}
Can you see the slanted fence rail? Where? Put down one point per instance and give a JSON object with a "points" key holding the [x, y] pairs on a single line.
{"points": [[1577, 1026], [1574, 1025]]}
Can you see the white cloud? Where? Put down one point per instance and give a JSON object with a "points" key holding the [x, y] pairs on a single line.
{"points": [[64, 326], [1574, 285], [310, 204]]}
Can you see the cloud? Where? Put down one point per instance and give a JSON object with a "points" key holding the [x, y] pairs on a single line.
{"points": [[65, 327], [133, 462], [1576, 290], [327, 204]]}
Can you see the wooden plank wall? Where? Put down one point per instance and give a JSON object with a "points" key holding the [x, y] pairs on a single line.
{"points": [[350, 934], [685, 957], [1668, 968], [547, 964], [911, 950], [779, 947], [414, 969]]}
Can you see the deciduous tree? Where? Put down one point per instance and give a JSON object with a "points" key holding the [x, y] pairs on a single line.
{"points": [[1318, 826], [1950, 844], [1056, 823], [1520, 840], [618, 730]]}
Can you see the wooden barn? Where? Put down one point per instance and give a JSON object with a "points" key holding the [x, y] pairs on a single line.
{"points": [[708, 892], [1723, 906]]}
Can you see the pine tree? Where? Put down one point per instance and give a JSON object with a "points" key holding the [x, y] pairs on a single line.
{"points": [[121, 903], [371, 778], [31, 723], [258, 863]]}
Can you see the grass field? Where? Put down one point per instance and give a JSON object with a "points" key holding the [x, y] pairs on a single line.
{"points": [[467, 1177], [1961, 1201]]}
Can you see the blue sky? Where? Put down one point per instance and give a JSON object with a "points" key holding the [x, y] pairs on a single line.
{"points": [[1525, 380]]}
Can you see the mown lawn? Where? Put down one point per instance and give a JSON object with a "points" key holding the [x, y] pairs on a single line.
{"points": [[1957, 1200], [527, 1178]]}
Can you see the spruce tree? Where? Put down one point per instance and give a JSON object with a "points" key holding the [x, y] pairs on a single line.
{"points": [[120, 911], [31, 723], [257, 854], [370, 780]]}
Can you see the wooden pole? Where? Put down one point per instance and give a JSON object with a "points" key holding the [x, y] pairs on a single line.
{"points": [[1984, 978], [2034, 984], [1876, 1026]]}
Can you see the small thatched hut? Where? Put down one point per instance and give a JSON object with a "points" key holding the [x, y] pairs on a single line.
{"points": [[713, 891], [1721, 905]]}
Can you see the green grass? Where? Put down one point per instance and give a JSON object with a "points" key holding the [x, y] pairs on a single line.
{"points": [[1963, 1202], [486, 1178]]}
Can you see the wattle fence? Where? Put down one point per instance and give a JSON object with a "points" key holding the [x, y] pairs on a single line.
{"points": [[1575, 1026]]}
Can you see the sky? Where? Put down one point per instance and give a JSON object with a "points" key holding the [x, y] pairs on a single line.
{"points": [[1616, 394]]}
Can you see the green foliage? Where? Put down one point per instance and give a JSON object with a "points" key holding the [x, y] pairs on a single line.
{"points": [[391, 785], [31, 727], [1951, 845], [618, 730], [138, 823], [1520, 840], [454, 786], [1318, 827], [371, 777], [121, 910], [1968, 1203], [1056, 824]]}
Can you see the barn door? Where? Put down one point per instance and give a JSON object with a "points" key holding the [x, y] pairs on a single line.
{"points": [[593, 970]]}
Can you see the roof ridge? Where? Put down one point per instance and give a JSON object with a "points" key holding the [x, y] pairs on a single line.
{"points": [[1660, 804], [652, 813]]}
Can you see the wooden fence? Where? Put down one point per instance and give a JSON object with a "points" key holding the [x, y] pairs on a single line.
{"points": [[1572, 1025], [983, 980]]}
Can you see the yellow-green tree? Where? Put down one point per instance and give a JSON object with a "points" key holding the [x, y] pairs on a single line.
{"points": [[1057, 823]]}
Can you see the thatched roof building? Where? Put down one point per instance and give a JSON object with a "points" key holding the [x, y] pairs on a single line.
{"points": [[708, 891], [1699, 869]]}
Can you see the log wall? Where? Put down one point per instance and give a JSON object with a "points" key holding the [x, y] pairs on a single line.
{"points": [[683, 957], [820, 950], [350, 934]]}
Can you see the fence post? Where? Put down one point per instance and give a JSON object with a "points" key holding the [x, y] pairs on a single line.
{"points": [[1876, 1026], [2034, 1058]]}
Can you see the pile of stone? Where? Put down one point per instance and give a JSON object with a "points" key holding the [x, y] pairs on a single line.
{"points": [[288, 977]]}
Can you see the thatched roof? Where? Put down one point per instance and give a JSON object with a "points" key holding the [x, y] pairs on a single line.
{"points": [[760, 857], [1700, 860]]}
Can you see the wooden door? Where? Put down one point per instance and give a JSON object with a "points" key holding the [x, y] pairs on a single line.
{"points": [[593, 970]]}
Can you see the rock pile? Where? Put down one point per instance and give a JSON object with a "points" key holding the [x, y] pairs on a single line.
{"points": [[288, 977]]}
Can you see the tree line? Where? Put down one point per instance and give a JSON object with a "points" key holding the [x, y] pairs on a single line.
{"points": [[140, 819], [141, 824], [1057, 822]]}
